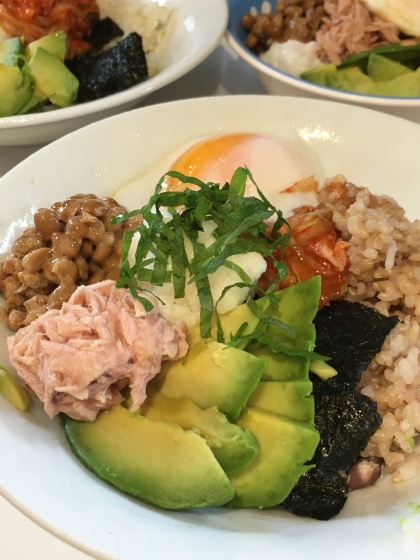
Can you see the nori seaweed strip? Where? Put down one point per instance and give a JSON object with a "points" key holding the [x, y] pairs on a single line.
{"points": [[351, 334], [117, 69], [103, 32]]}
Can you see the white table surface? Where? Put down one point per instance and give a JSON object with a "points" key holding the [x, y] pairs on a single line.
{"points": [[221, 74]]}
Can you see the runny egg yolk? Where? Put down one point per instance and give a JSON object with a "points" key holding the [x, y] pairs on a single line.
{"points": [[276, 163]]}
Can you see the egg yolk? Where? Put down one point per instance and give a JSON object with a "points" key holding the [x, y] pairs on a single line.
{"points": [[276, 163]]}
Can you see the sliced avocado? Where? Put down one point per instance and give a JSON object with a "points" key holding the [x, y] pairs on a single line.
{"points": [[11, 51], [297, 307], [157, 462], [282, 367], [233, 448], [407, 55], [10, 388], [318, 75], [288, 398], [34, 105], [15, 90], [212, 374], [351, 79], [274, 408], [380, 68], [297, 304], [285, 447], [322, 370], [407, 85], [53, 80], [54, 44], [234, 319]]}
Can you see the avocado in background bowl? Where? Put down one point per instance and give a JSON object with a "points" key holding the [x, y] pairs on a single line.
{"points": [[386, 71], [29, 78]]}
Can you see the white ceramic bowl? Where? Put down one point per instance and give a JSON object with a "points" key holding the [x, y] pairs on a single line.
{"points": [[39, 474], [274, 80], [199, 27]]}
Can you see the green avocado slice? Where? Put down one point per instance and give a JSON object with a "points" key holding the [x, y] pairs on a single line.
{"points": [[12, 391], [408, 55], [15, 90], [158, 462], [318, 75], [212, 374], [282, 367], [52, 78], [380, 68], [35, 104], [11, 52], [55, 44], [280, 411], [292, 399], [233, 447], [351, 79], [407, 85], [285, 446]]}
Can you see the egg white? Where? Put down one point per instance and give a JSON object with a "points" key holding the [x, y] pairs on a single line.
{"points": [[278, 169], [404, 13]]}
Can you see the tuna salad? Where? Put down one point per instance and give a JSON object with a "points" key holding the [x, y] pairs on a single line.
{"points": [[78, 358]]}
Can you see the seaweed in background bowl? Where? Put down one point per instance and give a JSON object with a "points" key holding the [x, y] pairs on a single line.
{"points": [[116, 69]]}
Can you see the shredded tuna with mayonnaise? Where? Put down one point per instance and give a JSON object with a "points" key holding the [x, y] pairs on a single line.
{"points": [[351, 29], [77, 359]]}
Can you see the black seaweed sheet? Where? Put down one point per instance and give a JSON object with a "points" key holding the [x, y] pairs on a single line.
{"points": [[351, 334], [116, 69], [103, 33]]}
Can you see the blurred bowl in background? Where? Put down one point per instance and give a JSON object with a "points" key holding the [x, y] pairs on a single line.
{"points": [[274, 80], [195, 32]]}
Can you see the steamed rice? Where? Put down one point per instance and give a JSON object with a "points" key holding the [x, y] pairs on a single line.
{"points": [[384, 257]]}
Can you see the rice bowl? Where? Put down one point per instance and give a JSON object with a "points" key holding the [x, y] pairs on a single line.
{"points": [[187, 46], [375, 511], [273, 78]]}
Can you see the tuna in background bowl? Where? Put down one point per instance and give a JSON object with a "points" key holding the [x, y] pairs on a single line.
{"points": [[194, 34], [278, 82]]}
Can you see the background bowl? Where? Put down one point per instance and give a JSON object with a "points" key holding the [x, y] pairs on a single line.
{"points": [[198, 30], [274, 80], [39, 474]]}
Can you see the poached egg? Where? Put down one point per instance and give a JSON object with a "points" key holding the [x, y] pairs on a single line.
{"points": [[276, 163]]}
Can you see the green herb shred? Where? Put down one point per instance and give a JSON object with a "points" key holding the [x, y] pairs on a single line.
{"points": [[172, 217]]}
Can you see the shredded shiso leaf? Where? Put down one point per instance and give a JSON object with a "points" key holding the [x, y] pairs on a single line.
{"points": [[241, 228]]}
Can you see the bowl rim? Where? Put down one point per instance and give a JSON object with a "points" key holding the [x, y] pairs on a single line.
{"points": [[339, 95], [167, 76]]}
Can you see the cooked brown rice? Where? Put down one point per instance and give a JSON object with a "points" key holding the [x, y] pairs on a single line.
{"points": [[385, 273]]}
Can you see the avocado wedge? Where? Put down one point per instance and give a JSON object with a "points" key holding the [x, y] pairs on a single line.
{"points": [[12, 391], [158, 462]]}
